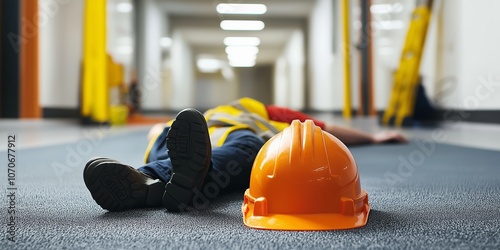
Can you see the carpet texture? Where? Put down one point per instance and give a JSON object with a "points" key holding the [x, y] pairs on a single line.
{"points": [[423, 195]]}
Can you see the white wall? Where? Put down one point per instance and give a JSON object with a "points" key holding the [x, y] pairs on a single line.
{"points": [[181, 94], [149, 66], [324, 91], [289, 73], [61, 35], [460, 60], [120, 36], [474, 54], [281, 86], [462, 44], [326, 55]]}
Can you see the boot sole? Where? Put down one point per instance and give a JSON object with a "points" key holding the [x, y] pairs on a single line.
{"points": [[117, 187], [189, 148]]}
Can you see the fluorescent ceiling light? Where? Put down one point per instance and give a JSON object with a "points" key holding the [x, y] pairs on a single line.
{"points": [[124, 7], [208, 65], [165, 42], [238, 41], [386, 8], [242, 57], [242, 25], [242, 50], [237, 8], [242, 64]]}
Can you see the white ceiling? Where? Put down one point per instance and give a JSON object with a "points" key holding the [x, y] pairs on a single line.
{"points": [[275, 8], [198, 21]]}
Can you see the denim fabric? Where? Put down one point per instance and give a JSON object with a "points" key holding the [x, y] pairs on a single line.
{"points": [[230, 167]]}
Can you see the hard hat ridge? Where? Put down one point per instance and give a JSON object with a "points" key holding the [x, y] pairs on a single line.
{"points": [[305, 179]]}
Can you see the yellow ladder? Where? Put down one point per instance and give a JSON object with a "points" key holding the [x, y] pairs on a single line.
{"points": [[406, 78]]}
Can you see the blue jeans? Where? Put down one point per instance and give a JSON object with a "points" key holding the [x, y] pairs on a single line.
{"points": [[230, 167]]}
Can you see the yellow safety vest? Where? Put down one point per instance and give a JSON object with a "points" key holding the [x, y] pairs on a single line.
{"points": [[244, 113]]}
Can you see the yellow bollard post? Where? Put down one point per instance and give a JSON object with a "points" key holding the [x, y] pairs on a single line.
{"points": [[95, 88], [347, 59]]}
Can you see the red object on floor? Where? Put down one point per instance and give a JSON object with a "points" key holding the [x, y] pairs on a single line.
{"points": [[141, 119]]}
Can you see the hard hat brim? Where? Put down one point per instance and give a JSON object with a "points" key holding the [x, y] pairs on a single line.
{"points": [[306, 222]]}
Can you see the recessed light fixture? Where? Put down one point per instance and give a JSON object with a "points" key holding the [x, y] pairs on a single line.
{"points": [[386, 8], [242, 25], [241, 57], [241, 64], [238, 8], [208, 65], [242, 50], [239, 41], [124, 7], [165, 42]]}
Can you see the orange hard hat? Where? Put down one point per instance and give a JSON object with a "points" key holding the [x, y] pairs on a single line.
{"points": [[305, 179]]}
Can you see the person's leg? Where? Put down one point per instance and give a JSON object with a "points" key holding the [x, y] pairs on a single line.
{"points": [[229, 169], [234, 160], [189, 149], [116, 186], [231, 166], [158, 163], [158, 149], [160, 169]]}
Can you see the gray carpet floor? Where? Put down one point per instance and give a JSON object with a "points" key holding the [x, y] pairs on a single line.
{"points": [[422, 195]]}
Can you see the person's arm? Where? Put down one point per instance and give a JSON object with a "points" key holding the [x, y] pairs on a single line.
{"points": [[351, 136], [282, 114], [347, 135]]}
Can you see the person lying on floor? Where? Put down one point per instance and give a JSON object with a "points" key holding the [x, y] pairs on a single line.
{"points": [[198, 156]]}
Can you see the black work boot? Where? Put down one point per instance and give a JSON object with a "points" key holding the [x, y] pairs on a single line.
{"points": [[116, 186], [189, 148]]}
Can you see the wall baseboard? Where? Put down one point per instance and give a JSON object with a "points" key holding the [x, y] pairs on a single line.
{"points": [[451, 115], [482, 116], [61, 113]]}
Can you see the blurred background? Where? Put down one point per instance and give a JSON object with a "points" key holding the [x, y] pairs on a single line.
{"points": [[98, 58]]}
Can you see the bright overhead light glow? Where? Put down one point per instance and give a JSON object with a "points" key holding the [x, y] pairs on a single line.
{"points": [[242, 50], [242, 25], [239, 41], [124, 7], [208, 65], [386, 8], [241, 57], [242, 64], [165, 42], [237, 8]]}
